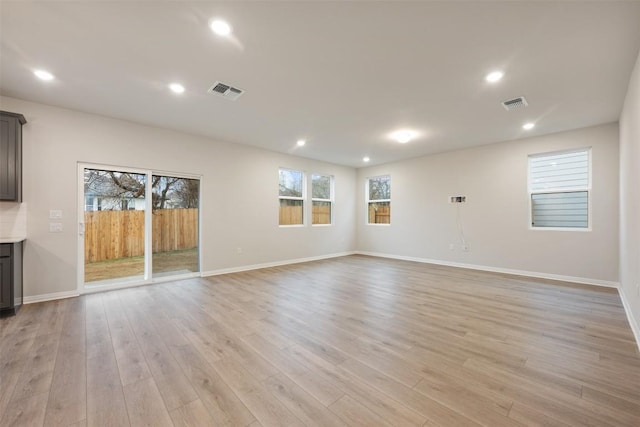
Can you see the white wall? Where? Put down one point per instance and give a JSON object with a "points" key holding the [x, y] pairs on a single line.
{"points": [[239, 200], [496, 217], [239, 192], [630, 201]]}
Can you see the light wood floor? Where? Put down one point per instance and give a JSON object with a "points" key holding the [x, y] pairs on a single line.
{"points": [[348, 341]]}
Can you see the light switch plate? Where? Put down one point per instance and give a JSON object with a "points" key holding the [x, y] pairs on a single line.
{"points": [[55, 227], [55, 214]]}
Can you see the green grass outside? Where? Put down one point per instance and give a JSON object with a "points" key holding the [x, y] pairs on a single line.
{"points": [[163, 262]]}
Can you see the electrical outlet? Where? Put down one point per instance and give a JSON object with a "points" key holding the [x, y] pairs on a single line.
{"points": [[451, 246], [55, 227], [238, 250]]}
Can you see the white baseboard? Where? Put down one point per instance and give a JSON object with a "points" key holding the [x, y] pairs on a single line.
{"points": [[538, 275], [272, 264], [49, 297], [632, 321]]}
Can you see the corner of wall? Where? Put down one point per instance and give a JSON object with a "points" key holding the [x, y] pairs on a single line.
{"points": [[629, 237], [633, 323]]}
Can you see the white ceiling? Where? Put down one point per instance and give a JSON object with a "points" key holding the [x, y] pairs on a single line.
{"points": [[341, 75]]}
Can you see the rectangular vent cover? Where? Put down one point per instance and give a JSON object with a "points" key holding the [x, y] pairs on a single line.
{"points": [[512, 104], [225, 91]]}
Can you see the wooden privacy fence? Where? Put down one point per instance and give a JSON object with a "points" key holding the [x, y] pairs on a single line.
{"points": [[291, 215], [120, 234], [379, 213], [321, 215]]}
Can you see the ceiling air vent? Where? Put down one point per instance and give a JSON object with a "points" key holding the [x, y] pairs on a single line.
{"points": [[225, 91], [512, 104]]}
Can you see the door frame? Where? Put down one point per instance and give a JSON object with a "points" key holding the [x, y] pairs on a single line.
{"points": [[148, 232]]}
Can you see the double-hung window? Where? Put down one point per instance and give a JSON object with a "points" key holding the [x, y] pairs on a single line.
{"points": [[559, 189], [321, 199], [379, 200], [291, 196]]}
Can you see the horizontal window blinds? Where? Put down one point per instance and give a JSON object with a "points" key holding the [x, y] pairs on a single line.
{"points": [[560, 209], [559, 188], [559, 171]]}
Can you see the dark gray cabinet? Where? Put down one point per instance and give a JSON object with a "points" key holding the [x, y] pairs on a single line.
{"points": [[10, 278], [11, 156], [5, 278]]}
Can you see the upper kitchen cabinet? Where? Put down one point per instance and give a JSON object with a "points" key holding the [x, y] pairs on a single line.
{"points": [[11, 156]]}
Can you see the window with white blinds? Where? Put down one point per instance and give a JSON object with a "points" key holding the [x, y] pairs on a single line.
{"points": [[559, 187]]}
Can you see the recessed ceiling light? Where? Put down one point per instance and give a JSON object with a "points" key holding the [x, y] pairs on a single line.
{"points": [[220, 27], [301, 142], [494, 76], [176, 87], [365, 159], [403, 136], [528, 126], [43, 75]]}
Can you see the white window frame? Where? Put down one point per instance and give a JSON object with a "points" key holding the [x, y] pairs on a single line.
{"points": [[303, 198], [369, 201], [330, 200], [562, 190]]}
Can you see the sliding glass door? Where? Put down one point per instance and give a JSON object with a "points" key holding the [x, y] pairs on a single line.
{"points": [[136, 226]]}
